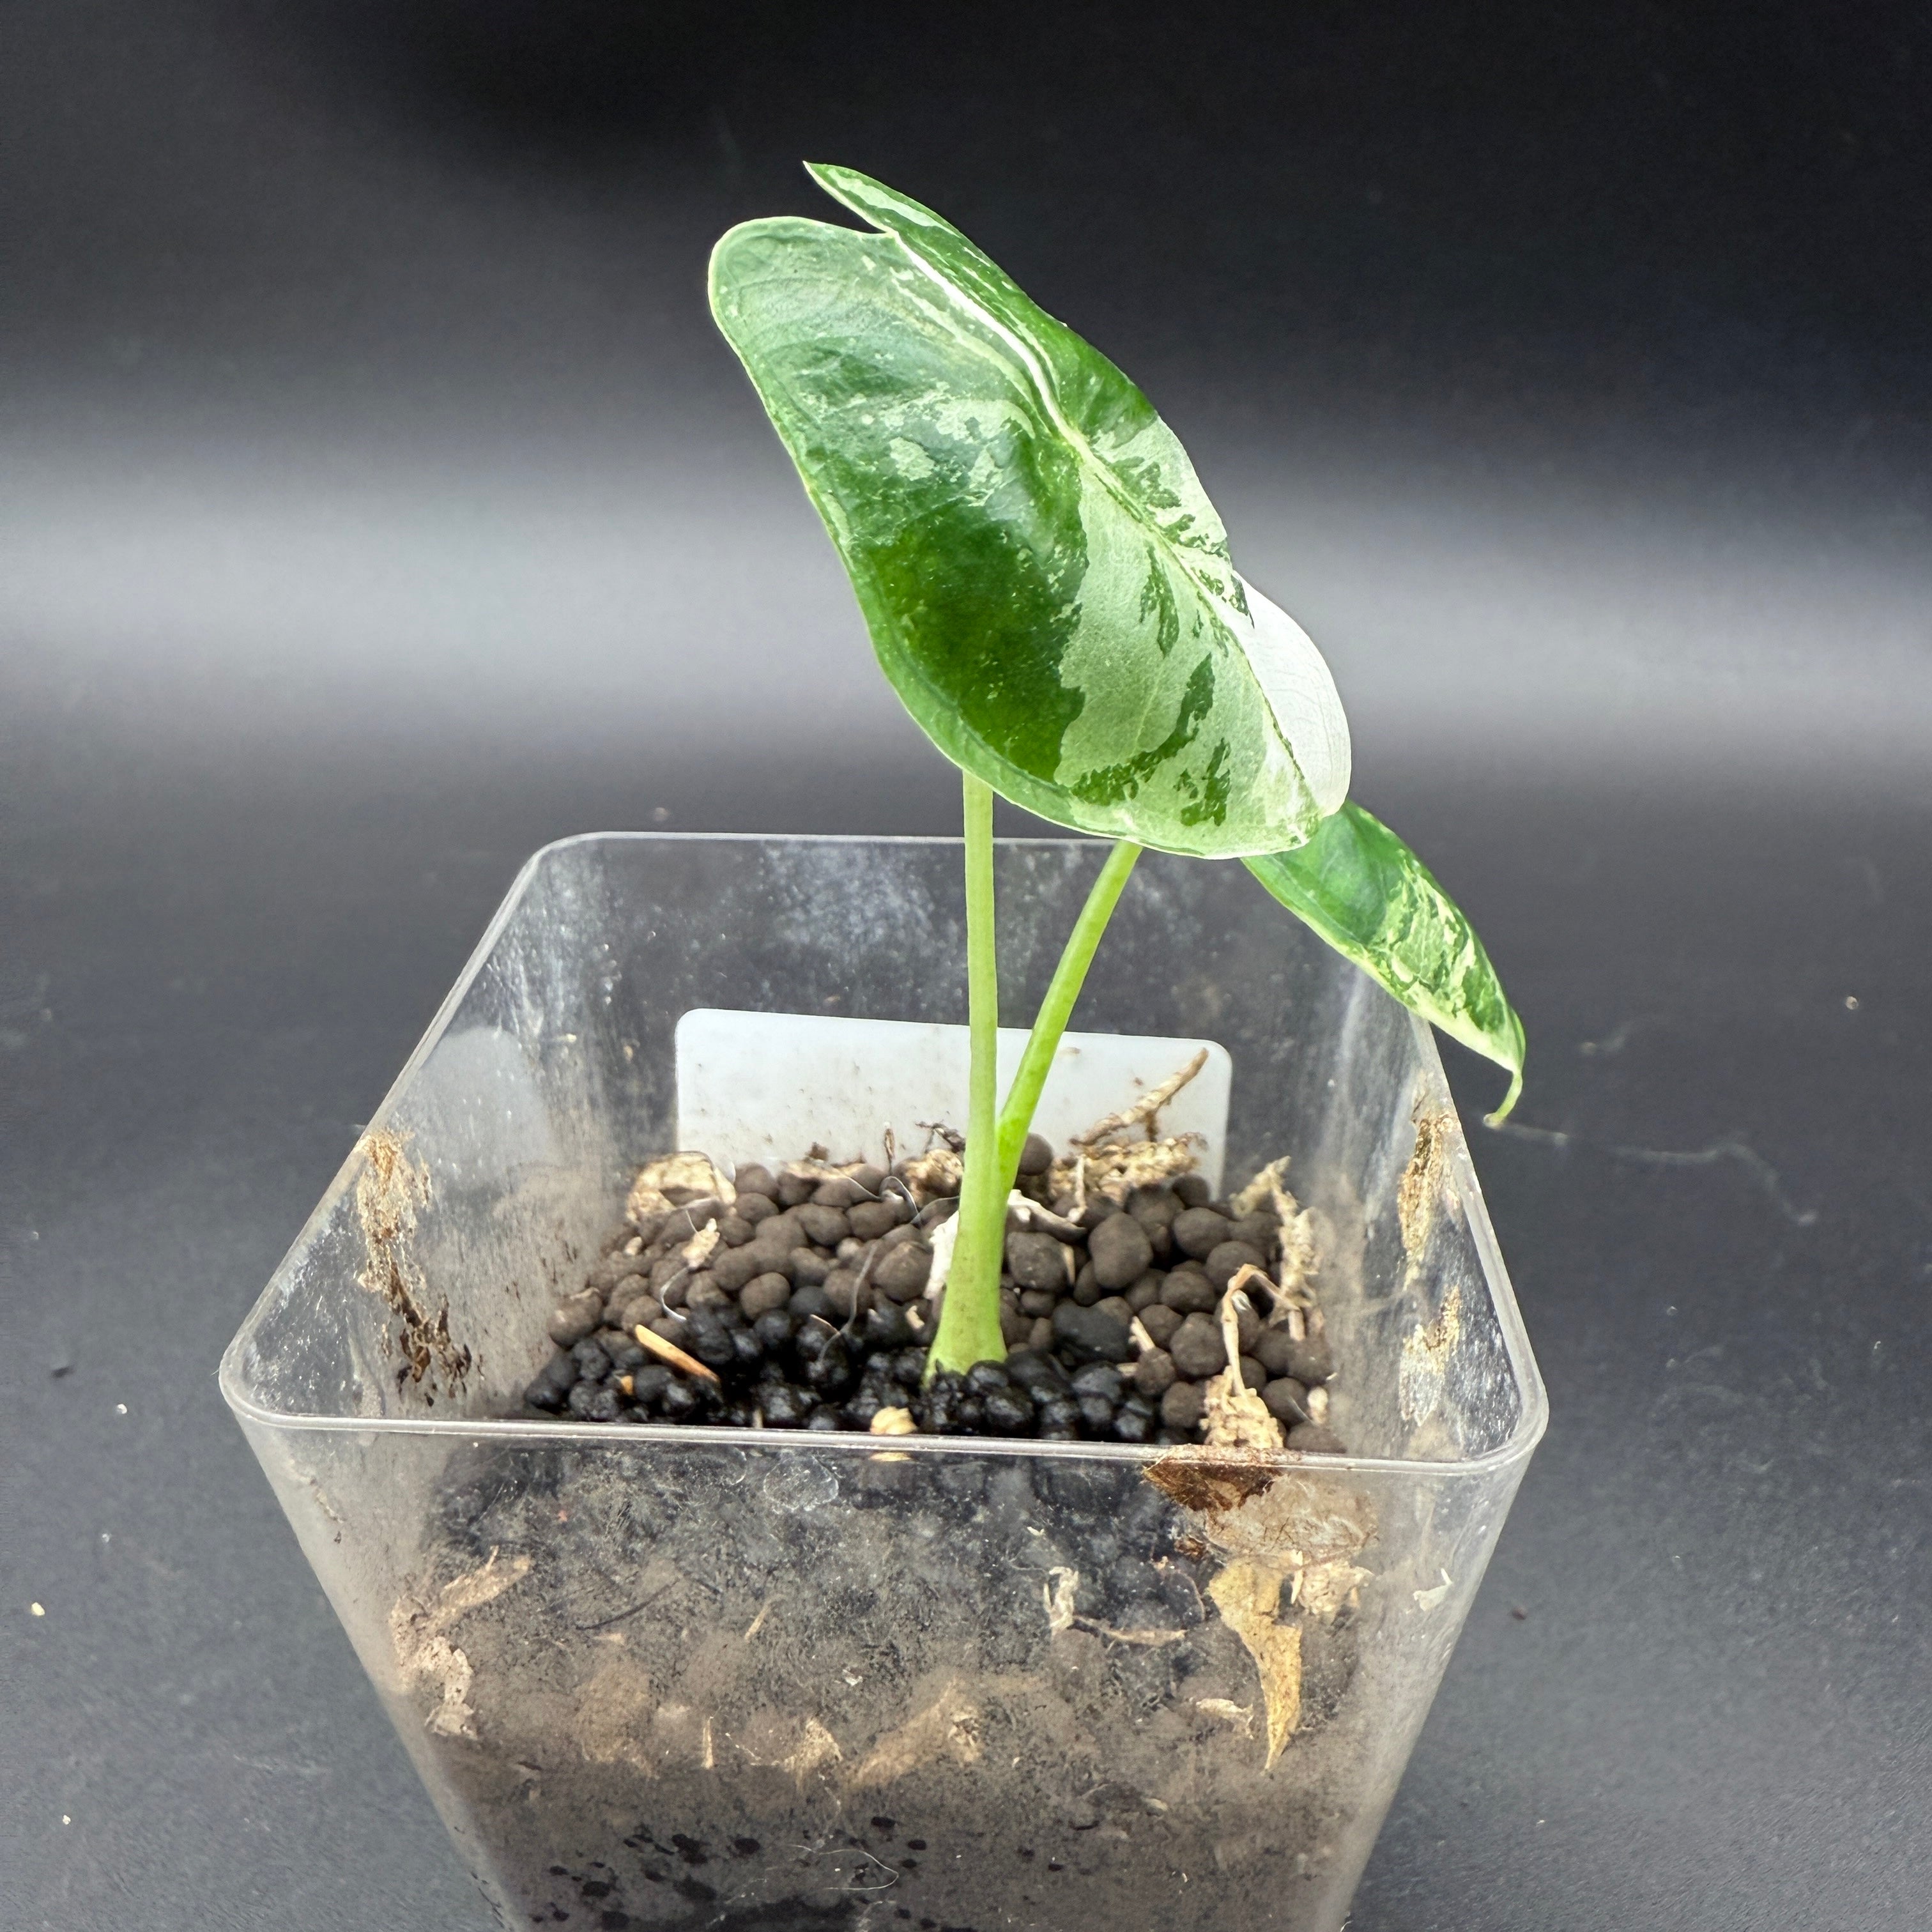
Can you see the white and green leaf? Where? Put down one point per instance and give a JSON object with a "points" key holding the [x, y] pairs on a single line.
{"points": [[1047, 586], [1375, 901]]}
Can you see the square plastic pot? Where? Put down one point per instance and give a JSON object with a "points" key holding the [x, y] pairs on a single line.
{"points": [[664, 1678]]}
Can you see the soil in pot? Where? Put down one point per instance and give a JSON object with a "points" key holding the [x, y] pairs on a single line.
{"points": [[807, 1687]]}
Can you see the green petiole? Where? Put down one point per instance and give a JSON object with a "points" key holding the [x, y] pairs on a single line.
{"points": [[969, 1325]]}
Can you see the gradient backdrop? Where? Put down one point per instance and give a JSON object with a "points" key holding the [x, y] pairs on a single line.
{"points": [[376, 503]]}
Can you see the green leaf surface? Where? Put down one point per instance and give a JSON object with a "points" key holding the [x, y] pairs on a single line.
{"points": [[1046, 584], [1374, 901]]}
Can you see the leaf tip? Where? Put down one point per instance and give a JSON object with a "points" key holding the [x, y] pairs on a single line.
{"points": [[1515, 1066]]}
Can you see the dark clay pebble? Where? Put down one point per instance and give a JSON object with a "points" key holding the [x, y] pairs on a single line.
{"points": [[1036, 1261], [1099, 1378], [755, 1208], [732, 1270], [1313, 1439], [1286, 1400], [575, 1319], [809, 1301], [1036, 1156], [900, 1273], [1182, 1406], [605, 1274], [784, 1406], [1311, 1360], [709, 1340], [1096, 1412], [732, 1232], [807, 1267], [1252, 1374], [1086, 1289], [871, 1219], [1121, 1309], [648, 1384], [593, 1404], [1009, 1411], [679, 1403], [1228, 1259], [1145, 1293], [825, 1227], [1160, 1321], [1120, 1252], [885, 1328], [1198, 1231], [841, 1191], [1188, 1291], [1037, 1301], [1154, 1373], [1091, 1334], [842, 1290], [1060, 1419], [764, 1293], [796, 1189], [1191, 1190], [1198, 1349], [1132, 1425], [592, 1364], [1152, 1207], [640, 1313], [1273, 1349], [623, 1351], [551, 1387], [1258, 1230], [1027, 1368], [751, 1178]]}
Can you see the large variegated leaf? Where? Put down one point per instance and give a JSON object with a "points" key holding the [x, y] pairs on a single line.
{"points": [[1046, 584], [1373, 900]]}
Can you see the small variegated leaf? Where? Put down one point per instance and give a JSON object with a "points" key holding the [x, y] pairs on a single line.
{"points": [[1373, 900], [1047, 585]]}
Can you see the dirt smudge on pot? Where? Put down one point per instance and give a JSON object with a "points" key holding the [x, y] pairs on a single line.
{"points": [[388, 1191]]}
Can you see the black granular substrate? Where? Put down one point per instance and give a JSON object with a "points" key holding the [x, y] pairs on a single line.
{"points": [[809, 1310]]}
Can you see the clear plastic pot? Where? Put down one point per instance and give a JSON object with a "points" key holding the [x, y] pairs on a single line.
{"points": [[662, 1678]]}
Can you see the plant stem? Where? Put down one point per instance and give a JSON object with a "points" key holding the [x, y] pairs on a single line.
{"points": [[969, 1326], [969, 1321], [1068, 977]]}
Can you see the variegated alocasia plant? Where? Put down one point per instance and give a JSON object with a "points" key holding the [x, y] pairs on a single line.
{"points": [[1050, 592]]}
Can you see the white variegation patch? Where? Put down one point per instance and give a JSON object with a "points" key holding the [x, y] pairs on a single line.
{"points": [[1300, 691]]}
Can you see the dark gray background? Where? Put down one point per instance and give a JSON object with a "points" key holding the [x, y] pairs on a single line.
{"points": [[376, 504]]}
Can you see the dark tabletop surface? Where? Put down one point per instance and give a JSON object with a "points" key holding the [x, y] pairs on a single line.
{"points": [[375, 505]]}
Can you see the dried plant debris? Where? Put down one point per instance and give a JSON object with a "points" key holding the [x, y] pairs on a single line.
{"points": [[1248, 1595], [1419, 1195], [671, 1181], [1427, 1350], [807, 1297], [1280, 1534], [817, 1748], [389, 1189], [948, 1727], [1145, 1112], [1061, 1593], [419, 1636]]}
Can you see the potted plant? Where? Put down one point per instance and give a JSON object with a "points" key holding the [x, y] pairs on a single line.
{"points": [[944, 1560]]}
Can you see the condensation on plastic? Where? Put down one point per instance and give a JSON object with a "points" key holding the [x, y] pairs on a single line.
{"points": [[656, 1677]]}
